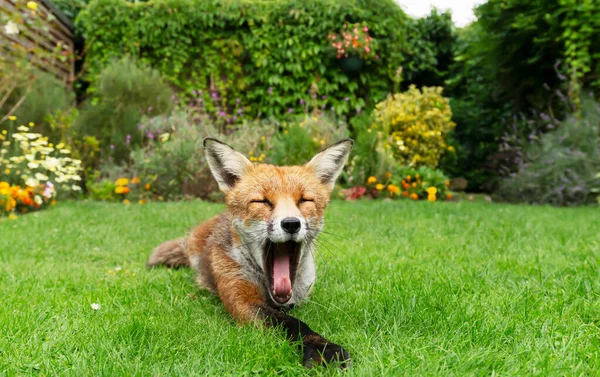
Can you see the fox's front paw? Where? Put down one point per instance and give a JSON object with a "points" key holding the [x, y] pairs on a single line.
{"points": [[321, 352]]}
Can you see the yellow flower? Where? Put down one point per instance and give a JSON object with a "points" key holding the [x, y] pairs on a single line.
{"points": [[432, 191], [126, 202], [122, 190], [12, 117], [7, 171], [135, 180], [414, 196], [147, 187], [431, 198], [379, 187], [32, 5], [31, 124], [4, 185], [12, 216], [122, 182], [53, 202], [262, 138], [142, 201], [371, 180], [388, 175]]}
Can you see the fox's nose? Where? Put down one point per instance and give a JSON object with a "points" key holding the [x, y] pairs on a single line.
{"points": [[290, 225]]}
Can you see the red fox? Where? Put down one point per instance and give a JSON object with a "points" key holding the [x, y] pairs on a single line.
{"points": [[258, 256]]}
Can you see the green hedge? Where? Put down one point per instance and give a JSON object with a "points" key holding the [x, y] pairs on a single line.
{"points": [[266, 53]]}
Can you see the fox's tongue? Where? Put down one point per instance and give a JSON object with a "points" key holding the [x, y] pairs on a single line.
{"points": [[282, 285]]}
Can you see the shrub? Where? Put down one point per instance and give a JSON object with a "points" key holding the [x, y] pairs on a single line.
{"points": [[125, 91], [45, 95], [418, 122], [17, 199], [562, 169], [300, 140], [371, 155], [266, 53]]}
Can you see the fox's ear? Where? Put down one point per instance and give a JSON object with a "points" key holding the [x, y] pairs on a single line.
{"points": [[328, 164], [226, 165]]}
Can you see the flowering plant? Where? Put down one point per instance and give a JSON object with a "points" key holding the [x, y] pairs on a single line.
{"points": [[353, 40], [17, 199], [410, 183], [32, 161]]}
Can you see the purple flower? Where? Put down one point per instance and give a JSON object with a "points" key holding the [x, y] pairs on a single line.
{"points": [[140, 126], [200, 92], [228, 120], [172, 97], [112, 147], [214, 95], [290, 110], [235, 118], [191, 104], [177, 102], [221, 113], [346, 99], [332, 108], [270, 90], [301, 101], [240, 111], [127, 139], [323, 97], [237, 100], [150, 135], [200, 100], [150, 109]]}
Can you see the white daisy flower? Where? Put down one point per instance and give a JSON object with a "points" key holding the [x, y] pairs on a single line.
{"points": [[95, 306]]}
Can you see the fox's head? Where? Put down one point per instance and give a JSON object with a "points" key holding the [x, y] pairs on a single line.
{"points": [[278, 211]]}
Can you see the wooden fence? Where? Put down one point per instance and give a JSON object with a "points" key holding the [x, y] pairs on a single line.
{"points": [[56, 30]]}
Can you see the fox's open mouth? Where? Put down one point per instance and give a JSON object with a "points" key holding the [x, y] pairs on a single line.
{"points": [[281, 261]]}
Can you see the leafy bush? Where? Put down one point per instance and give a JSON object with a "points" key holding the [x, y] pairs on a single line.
{"points": [[371, 155], [125, 91], [562, 169], [17, 199], [265, 53], [418, 122], [299, 141], [45, 95]]}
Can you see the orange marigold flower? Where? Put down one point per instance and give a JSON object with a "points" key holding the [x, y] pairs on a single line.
{"points": [[405, 185], [393, 189], [408, 178], [405, 193], [135, 180], [379, 187], [371, 180], [126, 202], [147, 187], [448, 196], [414, 196], [447, 183], [431, 198], [388, 175], [414, 184]]}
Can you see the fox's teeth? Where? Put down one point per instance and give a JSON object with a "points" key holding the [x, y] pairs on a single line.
{"points": [[274, 293]]}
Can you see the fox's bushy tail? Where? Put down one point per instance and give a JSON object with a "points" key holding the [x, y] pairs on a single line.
{"points": [[170, 254]]}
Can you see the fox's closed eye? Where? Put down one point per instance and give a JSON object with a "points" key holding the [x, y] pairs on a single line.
{"points": [[263, 201], [304, 200]]}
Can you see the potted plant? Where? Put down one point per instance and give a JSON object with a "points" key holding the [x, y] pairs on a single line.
{"points": [[352, 46]]}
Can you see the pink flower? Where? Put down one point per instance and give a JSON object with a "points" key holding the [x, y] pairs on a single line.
{"points": [[367, 49], [366, 29]]}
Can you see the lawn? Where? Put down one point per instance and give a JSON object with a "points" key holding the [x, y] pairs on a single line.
{"points": [[409, 288]]}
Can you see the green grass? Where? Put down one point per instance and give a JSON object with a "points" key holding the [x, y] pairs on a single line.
{"points": [[411, 289]]}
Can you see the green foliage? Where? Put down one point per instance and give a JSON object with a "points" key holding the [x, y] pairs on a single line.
{"points": [[300, 141], [369, 157], [430, 49], [45, 95], [265, 53], [125, 91], [562, 169]]}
